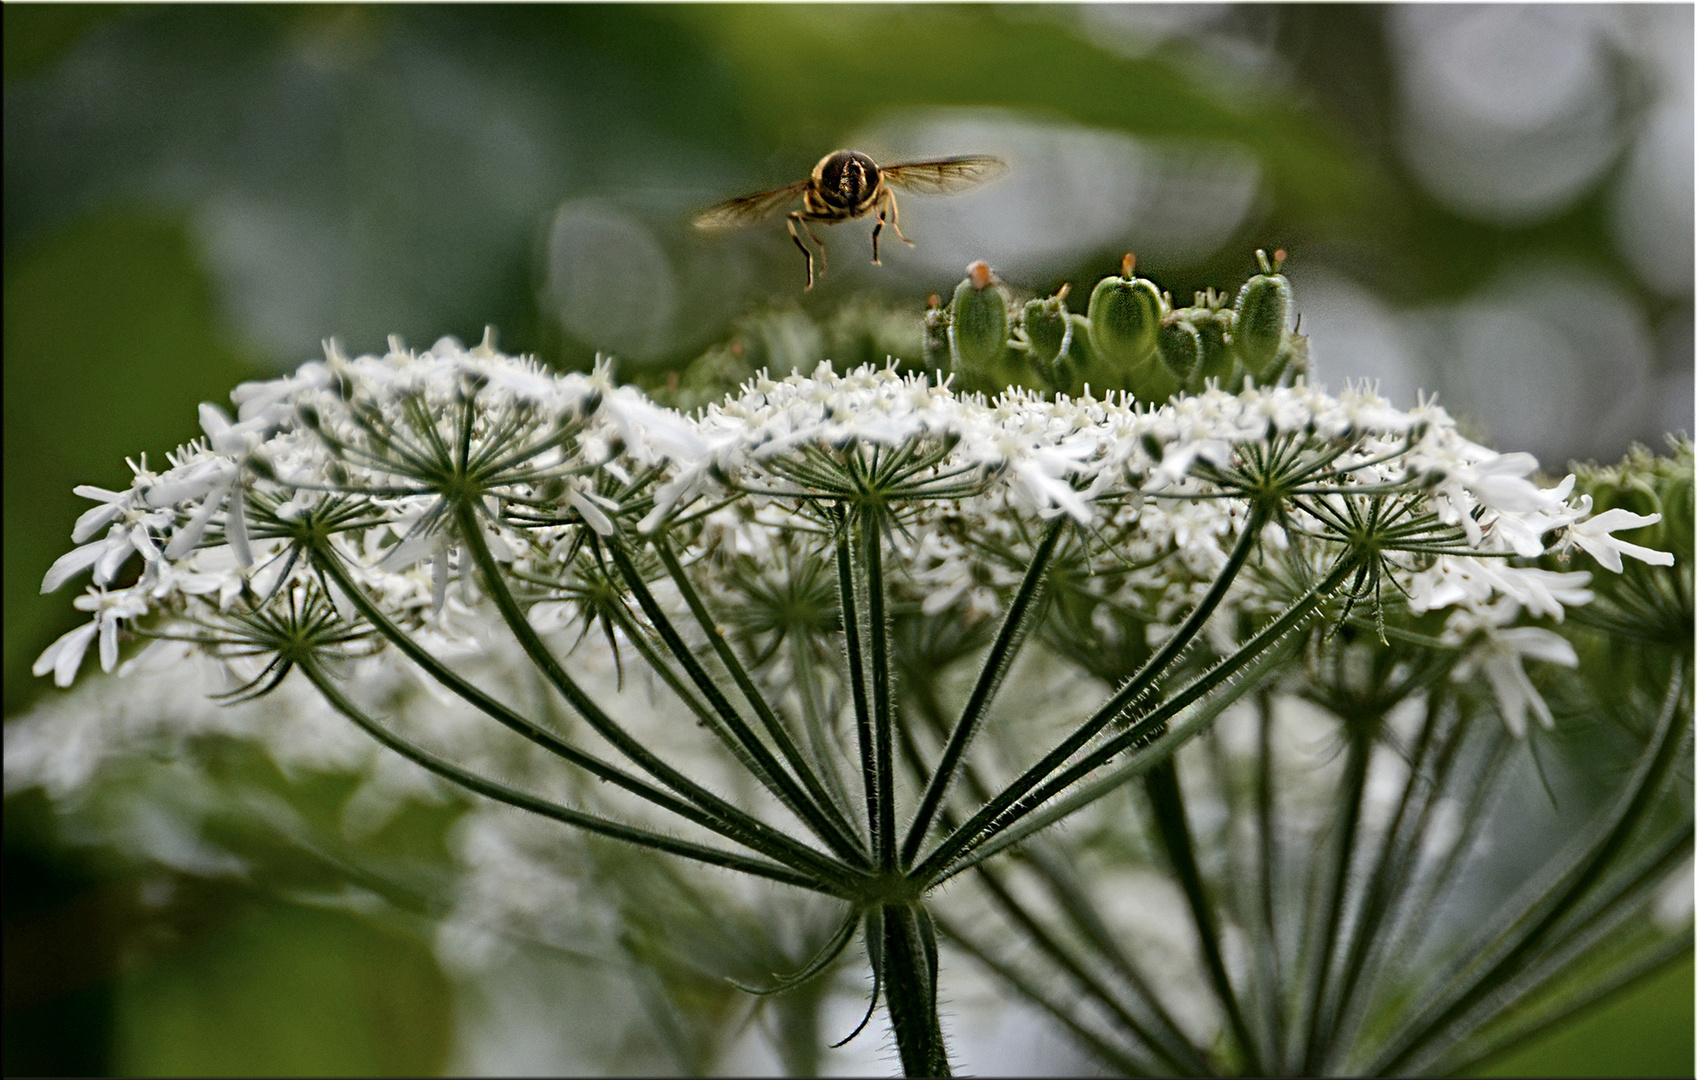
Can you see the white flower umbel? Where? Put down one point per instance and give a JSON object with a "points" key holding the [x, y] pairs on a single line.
{"points": [[787, 574]]}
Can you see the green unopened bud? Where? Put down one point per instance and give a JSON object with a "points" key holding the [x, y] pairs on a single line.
{"points": [[934, 343], [1214, 330], [1262, 313], [1676, 495], [1047, 332], [1179, 347], [1124, 314], [978, 325]]}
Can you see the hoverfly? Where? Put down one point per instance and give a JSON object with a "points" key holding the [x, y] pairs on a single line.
{"points": [[848, 184]]}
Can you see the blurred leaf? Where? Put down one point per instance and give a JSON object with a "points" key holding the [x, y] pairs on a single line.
{"points": [[110, 343], [810, 74], [287, 991], [1645, 1031], [38, 34]]}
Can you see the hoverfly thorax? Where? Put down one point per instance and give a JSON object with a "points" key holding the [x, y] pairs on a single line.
{"points": [[846, 179]]}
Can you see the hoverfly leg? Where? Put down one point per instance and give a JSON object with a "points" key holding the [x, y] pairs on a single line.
{"points": [[895, 217], [877, 225], [791, 219], [805, 219]]}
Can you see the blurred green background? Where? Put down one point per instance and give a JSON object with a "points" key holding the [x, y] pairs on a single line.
{"points": [[1492, 203]]}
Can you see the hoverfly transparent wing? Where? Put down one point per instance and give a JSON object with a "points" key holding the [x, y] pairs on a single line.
{"points": [[944, 175], [749, 208]]}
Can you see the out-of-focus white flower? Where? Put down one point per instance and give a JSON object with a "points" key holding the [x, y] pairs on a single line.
{"points": [[1500, 654]]}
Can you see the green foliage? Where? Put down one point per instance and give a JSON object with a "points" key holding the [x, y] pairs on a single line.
{"points": [[82, 392], [240, 1002]]}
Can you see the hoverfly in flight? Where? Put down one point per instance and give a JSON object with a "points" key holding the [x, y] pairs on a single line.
{"points": [[848, 184]]}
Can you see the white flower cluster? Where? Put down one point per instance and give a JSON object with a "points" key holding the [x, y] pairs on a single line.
{"points": [[372, 449]]}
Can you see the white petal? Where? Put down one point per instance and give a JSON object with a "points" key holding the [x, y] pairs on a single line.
{"points": [[213, 420], [593, 517], [1511, 688], [64, 656], [188, 538], [108, 644], [72, 563], [236, 527], [94, 519], [1611, 520], [1537, 643]]}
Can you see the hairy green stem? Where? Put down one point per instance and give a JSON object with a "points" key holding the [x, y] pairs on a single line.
{"points": [[973, 831], [757, 700], [762, 763], [1168, 802], [878, 635], [763, 837], [850, 611], [910, 989], [996, 664]]}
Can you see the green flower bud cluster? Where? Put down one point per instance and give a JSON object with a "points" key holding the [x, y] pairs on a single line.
{"points": [[1131, 337]]}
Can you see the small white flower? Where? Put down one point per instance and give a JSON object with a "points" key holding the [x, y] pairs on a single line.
{"points": [[1592, 536], [65, 655]]}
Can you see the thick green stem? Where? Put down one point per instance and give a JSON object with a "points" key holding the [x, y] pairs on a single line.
{"points": [[878, 635], [910, 981]]}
